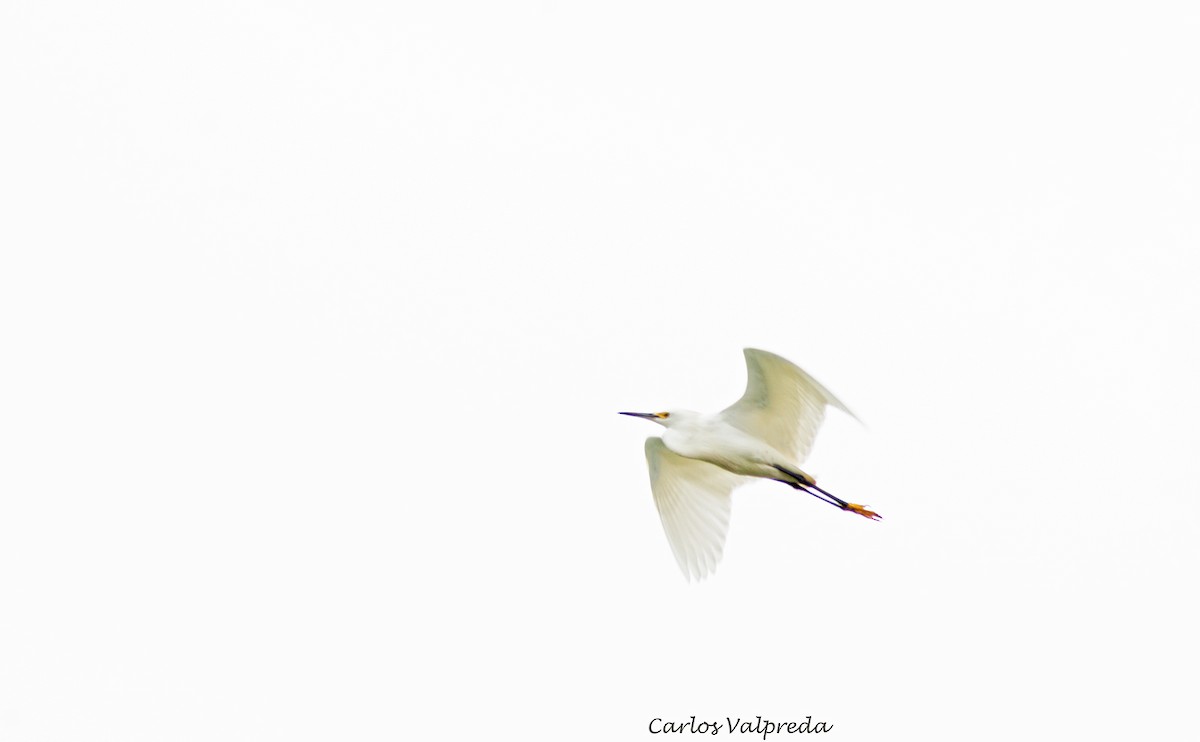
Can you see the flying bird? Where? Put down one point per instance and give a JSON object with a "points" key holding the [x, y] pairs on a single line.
{"points": [[700, 459]]}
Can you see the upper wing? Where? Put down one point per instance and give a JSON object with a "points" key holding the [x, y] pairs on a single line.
{"points": [[693, 501], [782, 405]]}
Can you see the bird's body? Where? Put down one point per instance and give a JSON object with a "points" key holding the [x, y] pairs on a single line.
{"points": [[701, 458], [711, 439]]}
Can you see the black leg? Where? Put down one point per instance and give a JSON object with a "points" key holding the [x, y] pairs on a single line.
{"points": [[839, 501], [803, 483], [821, 497]]}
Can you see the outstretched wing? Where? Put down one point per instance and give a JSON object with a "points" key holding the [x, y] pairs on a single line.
{"points": [[693, 501], [782, 405]]}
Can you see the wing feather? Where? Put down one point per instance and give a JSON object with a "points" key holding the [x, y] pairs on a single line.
{"points": [[693, 500], [782, 404]]}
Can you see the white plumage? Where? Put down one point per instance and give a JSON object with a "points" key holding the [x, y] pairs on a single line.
{"points": [[700, 459]]}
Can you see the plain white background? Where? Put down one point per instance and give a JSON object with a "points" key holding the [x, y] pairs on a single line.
{"points": [[316, 318]]}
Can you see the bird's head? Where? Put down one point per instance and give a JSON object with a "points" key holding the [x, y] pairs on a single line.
{"points": [[665, 419]]}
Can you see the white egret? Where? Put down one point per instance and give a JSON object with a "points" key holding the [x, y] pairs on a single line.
{"points": [[700, 459]]}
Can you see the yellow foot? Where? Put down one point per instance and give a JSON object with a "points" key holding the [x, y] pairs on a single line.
{"points": [[863, 511]]}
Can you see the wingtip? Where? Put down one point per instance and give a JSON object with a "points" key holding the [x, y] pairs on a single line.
{"points": [[850, 412]]}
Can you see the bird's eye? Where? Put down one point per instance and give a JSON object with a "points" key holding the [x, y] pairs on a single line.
{"points": [[663, 414]]}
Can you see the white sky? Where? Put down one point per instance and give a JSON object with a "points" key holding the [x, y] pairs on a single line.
{"points": [[317, 316]]}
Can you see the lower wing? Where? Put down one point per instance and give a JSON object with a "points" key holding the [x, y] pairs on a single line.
{"points": [[693, 499]]}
